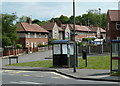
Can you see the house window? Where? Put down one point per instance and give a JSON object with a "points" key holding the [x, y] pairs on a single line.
{"points": [[118, 25], [28, 35], [118, 38], [35, 35], [45, 35], [35, 44], [108, 26], [39, 35]]}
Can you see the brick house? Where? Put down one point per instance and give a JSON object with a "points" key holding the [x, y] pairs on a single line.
{"points": [[113, 25], [86, 32], [55, 32], [31, 35]]}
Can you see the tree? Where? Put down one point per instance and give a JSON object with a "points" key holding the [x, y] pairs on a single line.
{"points": [[70, 21], [64, 19], [9, 33], [36, 21], [22, 19]]}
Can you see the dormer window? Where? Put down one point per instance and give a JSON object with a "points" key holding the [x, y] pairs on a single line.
{"points": [[118, 25]]}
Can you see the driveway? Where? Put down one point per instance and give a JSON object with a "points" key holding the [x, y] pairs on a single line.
{"points": [[37, 56]]}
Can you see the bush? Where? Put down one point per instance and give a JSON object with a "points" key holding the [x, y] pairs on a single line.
{"points": [[80, 44], [41, 45], [18, 45], [88, 39]]}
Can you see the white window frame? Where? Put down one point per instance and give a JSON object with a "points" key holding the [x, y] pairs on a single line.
{"points": [[35, 35], [40, 35], [118, 37], [28, 34], [117, 23]]}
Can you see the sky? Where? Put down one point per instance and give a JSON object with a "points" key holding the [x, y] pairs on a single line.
{"points": [[47, 10]]}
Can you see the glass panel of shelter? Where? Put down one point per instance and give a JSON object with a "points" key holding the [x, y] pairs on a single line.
{"points": [[57, 49]]}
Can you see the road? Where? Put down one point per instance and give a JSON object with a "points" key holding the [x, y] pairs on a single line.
{"points": [[37, 56], [42, 77]]}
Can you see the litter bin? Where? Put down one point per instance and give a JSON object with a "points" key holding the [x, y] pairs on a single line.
{"points": [[84, 54]]}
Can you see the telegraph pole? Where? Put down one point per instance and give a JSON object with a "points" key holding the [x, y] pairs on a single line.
{"points": [[74, 35], [100, 31]]}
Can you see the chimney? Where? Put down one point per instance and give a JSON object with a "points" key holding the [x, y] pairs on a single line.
{"points": [[60, 24], [52, 21], [28, 20]]}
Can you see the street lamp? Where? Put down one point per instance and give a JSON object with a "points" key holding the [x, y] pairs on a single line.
{"points": [[74, 35], [100, 31]]}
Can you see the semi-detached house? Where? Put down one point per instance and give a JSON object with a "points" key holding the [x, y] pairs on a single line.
{"points": [[113, 25], [31, 35]]}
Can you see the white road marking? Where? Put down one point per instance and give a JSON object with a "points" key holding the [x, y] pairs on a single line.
{"points": [[101, 76], [105, 82], [26, 75], [25, 82], [60, 75], [15, 71], [56, 77]]}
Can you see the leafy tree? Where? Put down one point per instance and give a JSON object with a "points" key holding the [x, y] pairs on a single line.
{"points": [[9, 33], [22, 19], [36, 21], [70, 21], [63, 19]]}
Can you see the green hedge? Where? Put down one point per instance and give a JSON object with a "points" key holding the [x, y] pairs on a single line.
{"points": [[41, 45], [87, 39], [18, 45]]}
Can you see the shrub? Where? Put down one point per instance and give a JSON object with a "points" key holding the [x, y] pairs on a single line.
{"points": [[18, 45], [41, 45], [79, 43]]}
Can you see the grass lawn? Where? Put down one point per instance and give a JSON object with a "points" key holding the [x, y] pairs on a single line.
{"points": [[94, 62], [115, 74]]}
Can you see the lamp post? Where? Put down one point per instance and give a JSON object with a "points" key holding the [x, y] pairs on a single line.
{"points": [[74, 35], [100, 30]]}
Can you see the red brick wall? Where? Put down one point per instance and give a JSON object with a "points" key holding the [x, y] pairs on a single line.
{"points": [[12, 52], [113, 32], [38, 40]]}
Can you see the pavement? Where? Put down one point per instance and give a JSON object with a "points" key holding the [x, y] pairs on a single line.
{"points": [[85, 74]]}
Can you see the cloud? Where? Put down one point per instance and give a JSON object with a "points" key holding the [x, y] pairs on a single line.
{"points": [[47, 10]]}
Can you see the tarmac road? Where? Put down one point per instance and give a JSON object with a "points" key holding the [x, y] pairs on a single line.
{"points": [[41, 77]]}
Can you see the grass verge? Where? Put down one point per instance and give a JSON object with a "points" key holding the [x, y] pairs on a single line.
{"points": [[94, 62], [115, 74]]}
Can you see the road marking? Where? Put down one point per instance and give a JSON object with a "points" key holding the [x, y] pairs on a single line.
{"points": [[15, 71], [25, 82], [60, 75], [26, 75], [56, 77], [101, 76]]}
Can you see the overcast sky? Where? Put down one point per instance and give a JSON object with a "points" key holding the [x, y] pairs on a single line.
{"points": [[47, 10]]}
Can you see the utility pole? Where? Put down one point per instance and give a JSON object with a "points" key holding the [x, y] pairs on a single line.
{"points": [[74, 36], [100, 31]]}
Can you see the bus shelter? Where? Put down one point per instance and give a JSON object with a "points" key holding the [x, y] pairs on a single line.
{"points": [[64, 53], [115, 56]]}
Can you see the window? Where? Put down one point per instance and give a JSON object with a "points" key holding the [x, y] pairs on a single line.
{"points": [[35, 35], [45, 35], [118, 25], [35, 44], [118, 38], [39, 35], [108, 26], [28, 35]]}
